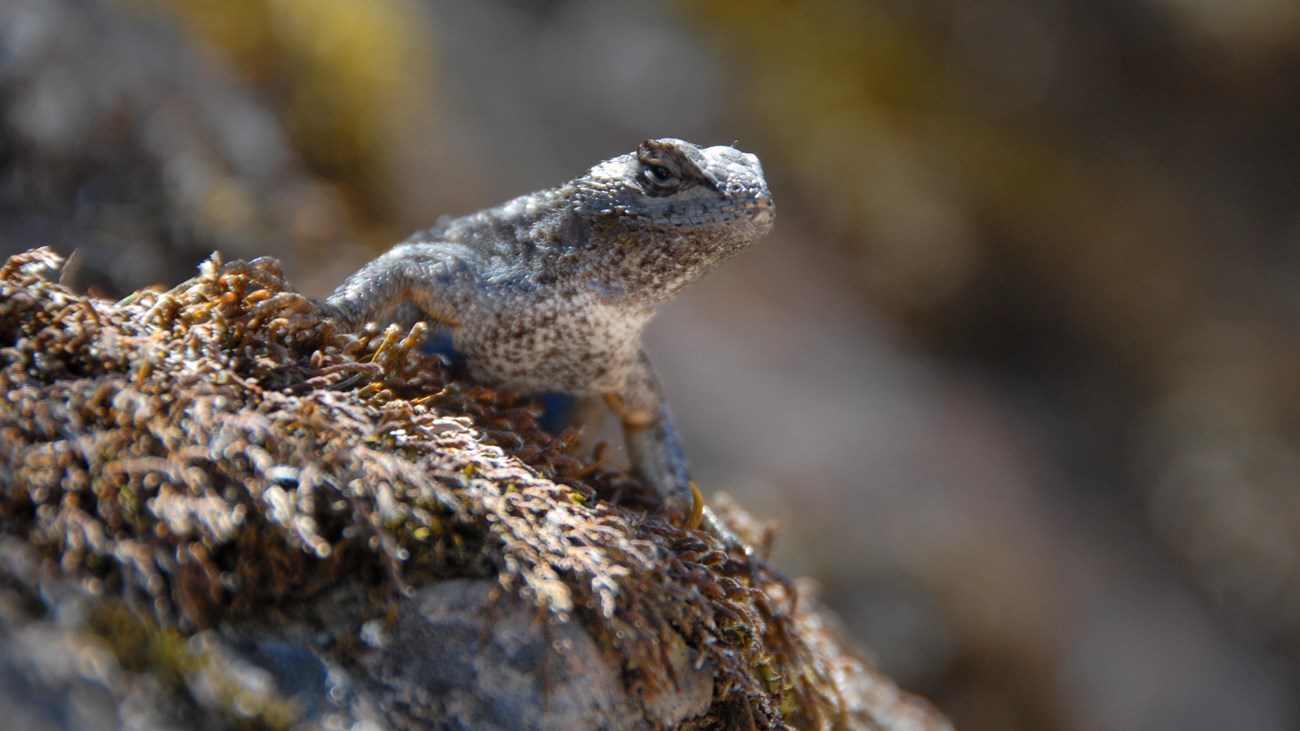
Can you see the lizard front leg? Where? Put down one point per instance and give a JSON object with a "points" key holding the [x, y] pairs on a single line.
{"points": [[416, 273], [656, 453], [653, 445]]}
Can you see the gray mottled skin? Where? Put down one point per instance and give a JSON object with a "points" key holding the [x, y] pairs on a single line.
{"points": [[552, 290]]}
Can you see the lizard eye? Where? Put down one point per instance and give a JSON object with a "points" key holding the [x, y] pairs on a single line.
{"points": [[659, 178]]}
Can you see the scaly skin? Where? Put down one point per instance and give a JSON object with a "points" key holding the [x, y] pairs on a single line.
{"points": [[551, 291]]}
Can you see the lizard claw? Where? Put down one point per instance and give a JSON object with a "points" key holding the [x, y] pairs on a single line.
{"points": [[685, 510], [696, 515]]}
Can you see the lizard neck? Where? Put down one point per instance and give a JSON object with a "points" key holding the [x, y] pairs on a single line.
{"points": [[548, 239], [648, 266]]}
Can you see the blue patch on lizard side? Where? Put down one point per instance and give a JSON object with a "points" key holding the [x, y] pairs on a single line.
{"points": [[558, 409]]}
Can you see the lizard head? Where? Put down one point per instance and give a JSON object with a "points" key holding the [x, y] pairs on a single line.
{"points": [[672, 210]]}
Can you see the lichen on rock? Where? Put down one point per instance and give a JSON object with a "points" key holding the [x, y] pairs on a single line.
{"points": [[220, 462]]}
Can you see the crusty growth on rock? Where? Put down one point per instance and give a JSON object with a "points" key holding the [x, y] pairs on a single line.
{"points": [[551, 291], [218, 453]]}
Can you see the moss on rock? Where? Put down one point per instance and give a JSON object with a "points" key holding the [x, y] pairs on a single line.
{"points": [[218, 453]]}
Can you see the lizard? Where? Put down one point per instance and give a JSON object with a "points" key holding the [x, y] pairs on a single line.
{"points": [[550, 291]]}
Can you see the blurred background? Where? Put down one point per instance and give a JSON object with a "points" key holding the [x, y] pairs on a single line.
{"points": [[1016, 374]]}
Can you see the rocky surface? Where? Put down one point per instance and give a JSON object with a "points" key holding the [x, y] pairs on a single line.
{"points": [[123, 141]]}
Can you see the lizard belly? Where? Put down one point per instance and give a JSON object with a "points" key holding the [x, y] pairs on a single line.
{"points": [[579, 348]]}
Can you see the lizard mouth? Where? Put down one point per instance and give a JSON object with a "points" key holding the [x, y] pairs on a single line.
{"points": [[759, 208], [755, 210]]}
